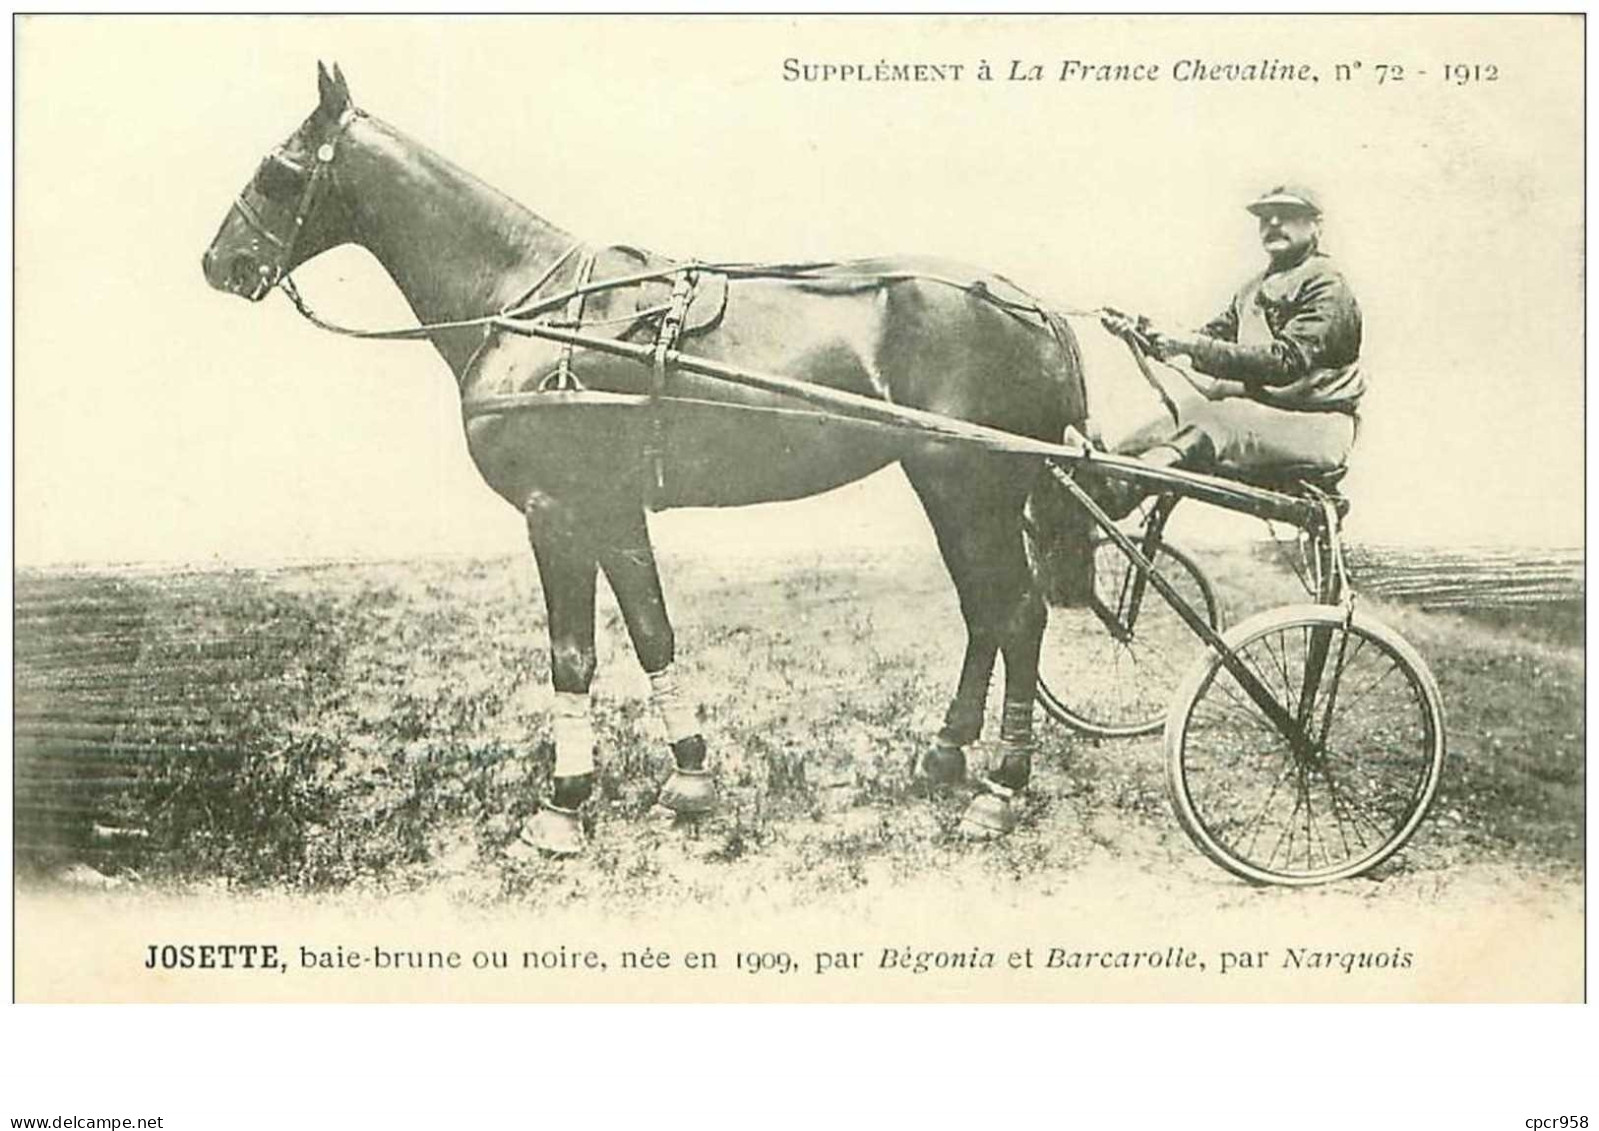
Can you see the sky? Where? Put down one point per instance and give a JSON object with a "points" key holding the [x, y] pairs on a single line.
{"points": [[159, 421]]}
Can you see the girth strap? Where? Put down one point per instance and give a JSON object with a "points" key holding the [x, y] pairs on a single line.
{"points": [[665, 342]]}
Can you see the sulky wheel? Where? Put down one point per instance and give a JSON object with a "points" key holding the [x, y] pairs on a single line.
{"points": [[1342, 777], [1109, 669]]}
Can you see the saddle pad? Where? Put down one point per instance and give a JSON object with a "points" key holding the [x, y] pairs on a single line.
{"points": [[705, 307], [857, 275], [647, 298]]}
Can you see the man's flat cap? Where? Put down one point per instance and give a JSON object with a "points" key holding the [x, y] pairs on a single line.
{"points": [[1284, 198]]}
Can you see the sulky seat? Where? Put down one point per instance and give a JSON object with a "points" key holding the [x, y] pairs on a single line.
{"points": [[1299, 480]]}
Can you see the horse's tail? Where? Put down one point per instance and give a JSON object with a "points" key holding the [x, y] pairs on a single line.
{"points": [[1059, 529]]}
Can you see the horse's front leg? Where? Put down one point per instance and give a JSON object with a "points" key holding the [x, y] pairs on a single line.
{"points": [[628, 559], [567, 571]]}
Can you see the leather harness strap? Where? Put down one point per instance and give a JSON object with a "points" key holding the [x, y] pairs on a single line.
{"points": [[562, 381], [665, 341]]}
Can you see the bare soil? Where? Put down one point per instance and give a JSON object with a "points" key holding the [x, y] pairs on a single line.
{"points": [[382, 730]]}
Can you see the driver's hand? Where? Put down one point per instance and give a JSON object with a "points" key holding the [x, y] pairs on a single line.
{"points": [[1116, 322], [1167, 345]]}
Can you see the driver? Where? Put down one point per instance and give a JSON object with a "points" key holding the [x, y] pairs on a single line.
{"points": [[1275, 378]]}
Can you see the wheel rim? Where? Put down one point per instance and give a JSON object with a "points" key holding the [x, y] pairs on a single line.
{"points": [[1102, 685], [1330, 808]]}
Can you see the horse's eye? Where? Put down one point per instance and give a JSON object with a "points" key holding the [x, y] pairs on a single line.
{"points": [[278, 178]]}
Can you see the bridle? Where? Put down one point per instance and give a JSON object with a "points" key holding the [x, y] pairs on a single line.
{"points": [[321, 173]]}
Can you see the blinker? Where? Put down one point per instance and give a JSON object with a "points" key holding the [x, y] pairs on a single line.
{"points": [[278, 177]]}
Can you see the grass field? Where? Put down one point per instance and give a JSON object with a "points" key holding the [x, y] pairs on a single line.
{"points": [[378, 728]]}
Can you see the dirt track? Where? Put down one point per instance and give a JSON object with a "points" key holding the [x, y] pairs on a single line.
{"points": [[363, 731]]}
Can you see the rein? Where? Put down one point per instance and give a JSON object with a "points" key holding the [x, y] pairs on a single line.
{"points": [[1137, 347], [526, 307]]}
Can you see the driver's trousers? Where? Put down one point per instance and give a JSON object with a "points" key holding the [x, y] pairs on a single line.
{"points": [[1249, 435]]}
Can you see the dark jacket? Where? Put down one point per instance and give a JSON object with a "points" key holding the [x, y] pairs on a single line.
{"points": [[1292, 335]]}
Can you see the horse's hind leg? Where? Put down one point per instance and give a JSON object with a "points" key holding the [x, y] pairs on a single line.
{"points": [[562, 545], [628, 560], [1022, 638], [975, 507]]}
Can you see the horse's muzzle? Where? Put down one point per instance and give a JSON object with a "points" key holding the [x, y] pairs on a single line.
{"points": [[238, 274]]}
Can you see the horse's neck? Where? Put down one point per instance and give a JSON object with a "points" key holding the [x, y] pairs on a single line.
{"points": [[455, 247]]}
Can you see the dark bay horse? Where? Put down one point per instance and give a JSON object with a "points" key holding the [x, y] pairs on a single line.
{"points": [[921, 334]]}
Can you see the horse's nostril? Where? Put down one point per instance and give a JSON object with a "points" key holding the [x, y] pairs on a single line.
{"points": [[242, 272]]}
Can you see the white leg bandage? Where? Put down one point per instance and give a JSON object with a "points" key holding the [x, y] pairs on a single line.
{"points": [[670, 705], [574, 734]]}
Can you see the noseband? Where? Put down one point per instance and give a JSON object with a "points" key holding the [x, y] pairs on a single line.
{"points": [[321, 172]]}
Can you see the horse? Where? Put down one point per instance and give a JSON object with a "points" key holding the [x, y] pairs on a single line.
{"points": [[918, 333]]}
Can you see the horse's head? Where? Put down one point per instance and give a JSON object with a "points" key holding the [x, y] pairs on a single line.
{"points": [[290, 210]]}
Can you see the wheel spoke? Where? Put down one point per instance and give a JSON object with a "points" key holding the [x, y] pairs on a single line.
{"points": [[1288, 830], [1092, 680], [1248, 706], [1336, 805], [1310, 819], [1266, 805], [1372, 685], [1156, 657], [1280, 660], [1246, 713], [1356, 811]]}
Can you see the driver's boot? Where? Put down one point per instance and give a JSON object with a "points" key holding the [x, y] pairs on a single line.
{"points": [[1190, 449]]}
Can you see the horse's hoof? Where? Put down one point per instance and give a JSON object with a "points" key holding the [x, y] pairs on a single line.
{"points": [[690, 793], [557, 832], [1014, 771], [944, 765], [988, 816]]}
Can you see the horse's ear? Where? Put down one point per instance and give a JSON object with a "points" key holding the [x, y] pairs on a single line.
{"points": [[334, 93]]}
